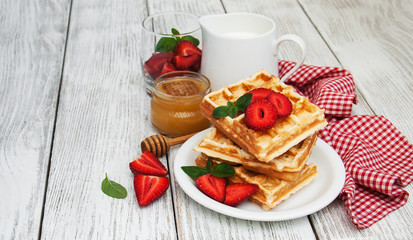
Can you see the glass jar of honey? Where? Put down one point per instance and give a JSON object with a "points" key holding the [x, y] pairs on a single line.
{"points": [[176, 97]]}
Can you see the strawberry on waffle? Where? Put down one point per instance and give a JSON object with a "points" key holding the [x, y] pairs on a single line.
{"points": [[269, 143], [305, 118]]}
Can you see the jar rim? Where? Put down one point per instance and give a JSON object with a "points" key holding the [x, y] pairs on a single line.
{"points": [[181, 74]]}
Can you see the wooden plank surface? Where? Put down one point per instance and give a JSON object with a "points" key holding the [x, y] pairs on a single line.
{"points": [[103, 115], [32, 42], [370, 39]]}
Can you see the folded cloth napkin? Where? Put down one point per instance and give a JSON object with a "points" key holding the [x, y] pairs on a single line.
{"points": [[330, 88], [376, 156]]}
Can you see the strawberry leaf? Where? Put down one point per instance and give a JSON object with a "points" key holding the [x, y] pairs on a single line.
{"points": [[223, 170], [194, 171], [113, 189], [166, 44]]}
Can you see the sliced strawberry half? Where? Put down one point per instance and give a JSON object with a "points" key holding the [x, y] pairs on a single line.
{"points": [[195, 67], [168, 67], [149, 188], [212, 186], [187, 48], [184, 63], [155, 63], [260, 115], [260, 93], [237, 193], [282, 103], [148, 164]]}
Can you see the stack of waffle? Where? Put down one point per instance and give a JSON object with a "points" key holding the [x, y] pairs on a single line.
{"points": [[274, 159]]}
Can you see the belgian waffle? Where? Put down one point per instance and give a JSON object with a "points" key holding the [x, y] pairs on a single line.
{"points": [[305, 119], [272, 191], [286, 166]]}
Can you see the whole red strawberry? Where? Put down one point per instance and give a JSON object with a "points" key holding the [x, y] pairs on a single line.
{"points": [[282, 103], [260, 115], [212, 186]]}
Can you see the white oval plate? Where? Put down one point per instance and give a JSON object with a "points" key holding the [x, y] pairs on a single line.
{"points": [[310, 199]]}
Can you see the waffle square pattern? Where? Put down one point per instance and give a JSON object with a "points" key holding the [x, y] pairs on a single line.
{"points": [[305, 119], [287, 166]]}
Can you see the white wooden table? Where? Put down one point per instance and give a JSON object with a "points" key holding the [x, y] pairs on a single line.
{"points": [[73, 107]]}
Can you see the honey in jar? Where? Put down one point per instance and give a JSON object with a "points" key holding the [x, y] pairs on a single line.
{"points": [[175, 103]]}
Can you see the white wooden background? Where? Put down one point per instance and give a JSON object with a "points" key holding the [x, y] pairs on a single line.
{"points": [[73, 108]]}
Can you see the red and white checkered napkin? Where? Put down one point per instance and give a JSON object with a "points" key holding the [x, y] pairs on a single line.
{"points": [[330, 88], [377, 157]]}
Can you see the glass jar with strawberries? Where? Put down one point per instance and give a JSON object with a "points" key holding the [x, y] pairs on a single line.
{"points": [[169, 42]]}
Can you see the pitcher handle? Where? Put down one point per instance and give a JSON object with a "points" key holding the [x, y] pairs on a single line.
{"points": [[300, 42]]}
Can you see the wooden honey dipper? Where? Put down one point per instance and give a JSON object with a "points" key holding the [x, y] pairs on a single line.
{"points": [[159, 144]]}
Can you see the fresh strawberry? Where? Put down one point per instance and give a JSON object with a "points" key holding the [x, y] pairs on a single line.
{"points": [[237, 193], [260, 115], [212, 186], [282, 103], [260, 93], [155, 63], [184, 63], [148, 164], [168, 67], [187, 48], [149, 188]]}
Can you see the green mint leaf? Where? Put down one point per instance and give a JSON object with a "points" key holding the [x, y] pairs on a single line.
{"points": [[113, 189], [230, 104], [165, 44], [174, 31], [232, 111], [192, 39], [208, 165], [243, 101], [194, 171], [219, 112], [223, 170]]}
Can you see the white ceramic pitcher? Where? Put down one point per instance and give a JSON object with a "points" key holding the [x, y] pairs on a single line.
{"points": [[236, 45]]}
